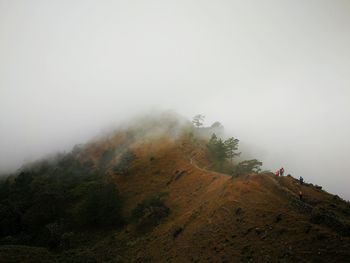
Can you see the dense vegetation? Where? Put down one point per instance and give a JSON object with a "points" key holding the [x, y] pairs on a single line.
{"points": [[222, 153], [47, 202]]}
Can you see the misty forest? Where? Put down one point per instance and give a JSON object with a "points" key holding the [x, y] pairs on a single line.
{"points": [[174, 131]]}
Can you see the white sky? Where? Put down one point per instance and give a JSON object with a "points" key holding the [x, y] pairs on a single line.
{"points": [[275, 73]]}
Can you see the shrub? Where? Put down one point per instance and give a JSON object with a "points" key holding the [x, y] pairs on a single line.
{"points": [[150, 212], [248, 166]]}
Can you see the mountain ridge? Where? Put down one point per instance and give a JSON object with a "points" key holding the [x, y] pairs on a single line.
{"points": [[175, 208]]}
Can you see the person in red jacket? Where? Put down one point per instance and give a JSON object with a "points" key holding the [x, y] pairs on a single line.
{"points": [[278, 173]]}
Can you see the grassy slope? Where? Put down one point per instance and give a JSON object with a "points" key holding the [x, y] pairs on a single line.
{"points": [[251, 218]]}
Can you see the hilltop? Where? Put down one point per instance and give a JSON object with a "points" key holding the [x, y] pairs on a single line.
{"points": [[174, 205]]}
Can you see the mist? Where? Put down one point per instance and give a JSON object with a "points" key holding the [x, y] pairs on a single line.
{"points": [[276, 74]]}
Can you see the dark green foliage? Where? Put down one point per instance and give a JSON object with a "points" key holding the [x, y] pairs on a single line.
{"points": [[52, 197], [9, 219], [231, 146], [100, 206], [217, 151], [220, 151], [124, 163], [248, 166]]}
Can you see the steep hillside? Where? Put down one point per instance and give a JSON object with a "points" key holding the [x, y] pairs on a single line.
{"points": [[176, 210], [217, 218]]}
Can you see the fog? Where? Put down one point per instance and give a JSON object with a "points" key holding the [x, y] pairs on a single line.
{"points": [[276, 74]]}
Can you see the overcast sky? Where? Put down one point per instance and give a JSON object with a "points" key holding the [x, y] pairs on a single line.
{"points": [[275, 73]]}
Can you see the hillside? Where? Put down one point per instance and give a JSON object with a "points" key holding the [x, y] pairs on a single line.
{"points": [[192, 214]]}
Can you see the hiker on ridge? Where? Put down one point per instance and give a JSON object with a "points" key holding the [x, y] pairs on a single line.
{"points": [[301, 195], [278, 173], [281, 171], [301, 180]]}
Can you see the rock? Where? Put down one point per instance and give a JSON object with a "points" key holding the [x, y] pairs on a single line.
{"points": [[238, 211], [179, 174], [258, 230], [264, 235], [177, 231], [318, 187], [278, 218]]}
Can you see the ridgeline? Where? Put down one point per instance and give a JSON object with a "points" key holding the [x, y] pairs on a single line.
{"points": [[165, 190]]}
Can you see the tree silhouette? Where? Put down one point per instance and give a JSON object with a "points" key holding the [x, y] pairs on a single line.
{"points": [[198, 120]]}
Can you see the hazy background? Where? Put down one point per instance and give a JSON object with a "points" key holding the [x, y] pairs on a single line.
{"points": [[275, 73]]}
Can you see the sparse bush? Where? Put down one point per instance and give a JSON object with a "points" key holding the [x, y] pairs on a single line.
{"points": [[150, 212], [248, 166]]}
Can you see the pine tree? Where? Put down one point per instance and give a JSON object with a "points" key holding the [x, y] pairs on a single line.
{"points": [[198, 120], [217, 150], [231, 146]]}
